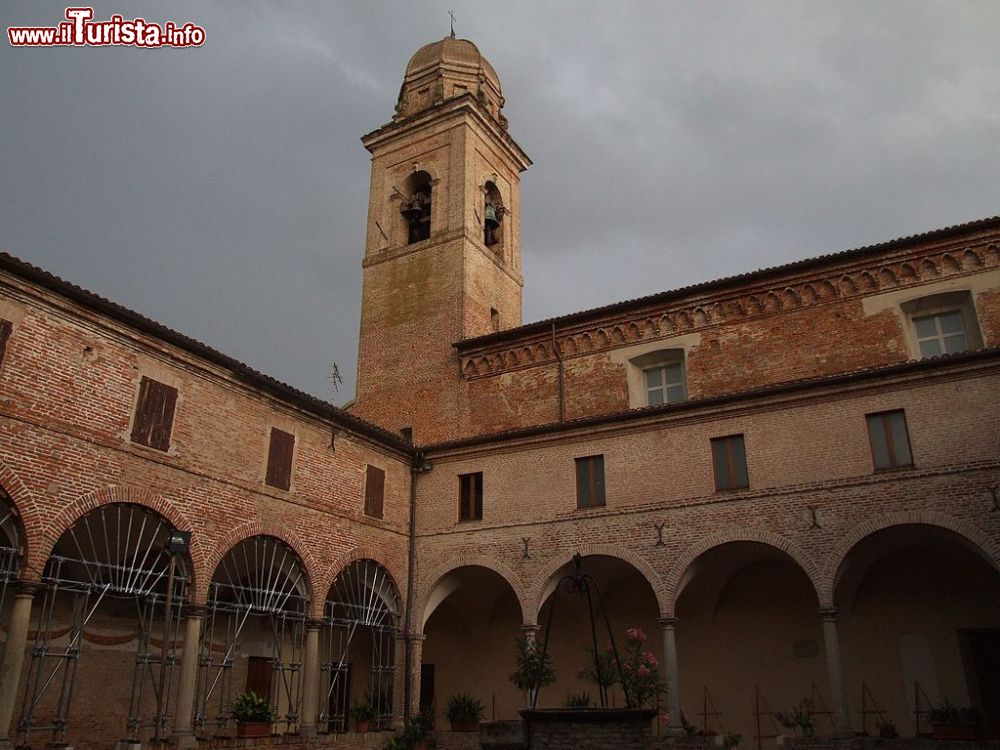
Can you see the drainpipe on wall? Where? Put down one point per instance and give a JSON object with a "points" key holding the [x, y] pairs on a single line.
{"points": [[562, 387], [415, 469]]}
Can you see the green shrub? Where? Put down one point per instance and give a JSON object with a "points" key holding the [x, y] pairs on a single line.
{"points": [[464, 708], [251, 706]]}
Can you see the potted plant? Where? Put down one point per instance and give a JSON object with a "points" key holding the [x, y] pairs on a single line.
{"points": [[416, 731], [578, 700], [363, 714], [799, 717], [534, 669], [464, 712], [887, 730], [953, 723], [253, 714]]}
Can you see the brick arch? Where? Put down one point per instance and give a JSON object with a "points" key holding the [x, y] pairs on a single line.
{"points": [[647, 571], [726, 536], [251, 529], [437, 574], [986, 547], [69, 515], [30, 517], [324, 583]]}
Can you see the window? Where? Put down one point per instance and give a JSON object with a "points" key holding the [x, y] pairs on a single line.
{"points": [[943, 333], [889, 440], [657, 378], [664, 383], [5, 328], [374, 491], [494, 319], [154, 414], [730, 460], [590, 482], [470, 497], [279, 459], [943, 324], [406, 433]]}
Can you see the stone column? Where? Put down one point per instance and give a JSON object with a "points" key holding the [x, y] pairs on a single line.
{"points": [[529, 631], [183, 735], [310, 679], [834, 665], [13, 655], [416, 641], [672, 676]]}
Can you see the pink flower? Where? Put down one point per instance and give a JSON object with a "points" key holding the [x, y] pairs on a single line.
{"points": [[642, 671], [610, 647], [581, 672], [650, 659], [665, 718], [636, 634]]}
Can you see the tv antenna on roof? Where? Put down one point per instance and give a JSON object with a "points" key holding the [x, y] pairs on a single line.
{"points": [[452, 14], [335, 378]]}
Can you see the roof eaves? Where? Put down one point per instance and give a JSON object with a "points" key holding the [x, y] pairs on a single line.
{"points": [[788, 386], [240, 370], [539, 326]]}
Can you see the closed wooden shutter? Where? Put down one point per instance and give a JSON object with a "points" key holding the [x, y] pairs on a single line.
{"points": [[374, 492], [279, 459], [5, 328], [154, 414]]}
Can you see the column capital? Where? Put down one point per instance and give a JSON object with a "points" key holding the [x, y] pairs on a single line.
{"points": [[27, 589], [827, 614], [667, 623], [415, 637], [195, 610], [313, 623]]}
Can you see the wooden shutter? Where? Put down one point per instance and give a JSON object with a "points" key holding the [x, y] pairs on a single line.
{"points": [[590, 481], [374, 492], [470, 496], [279, 459], [154, 414], [5, 328]]}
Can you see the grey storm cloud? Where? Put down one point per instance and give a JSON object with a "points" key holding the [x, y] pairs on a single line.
{"points": [[222, 190]]}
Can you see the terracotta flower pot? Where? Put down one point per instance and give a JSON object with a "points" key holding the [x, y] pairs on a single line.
{"points": [[362, 726], [953, 732], [253, 728], [465, 726]]}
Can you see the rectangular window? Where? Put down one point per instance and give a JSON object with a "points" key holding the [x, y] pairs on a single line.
{"points": [[942, 333], [279, 459], [590, 482], [889, 439], [374, 491], [154, 414], [5, 328], [470, 496], [730, 460], [665, 384]]}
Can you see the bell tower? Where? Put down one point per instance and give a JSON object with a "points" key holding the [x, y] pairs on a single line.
{"points": [[443, 253]]}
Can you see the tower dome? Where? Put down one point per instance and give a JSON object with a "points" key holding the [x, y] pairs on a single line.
{"points": [[448, 69]]}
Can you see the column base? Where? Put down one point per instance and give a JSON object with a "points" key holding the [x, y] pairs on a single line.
{"points": [[184, 741], [308, 733]]}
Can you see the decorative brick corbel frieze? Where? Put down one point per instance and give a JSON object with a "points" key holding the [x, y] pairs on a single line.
{"points": [[852, 281]]}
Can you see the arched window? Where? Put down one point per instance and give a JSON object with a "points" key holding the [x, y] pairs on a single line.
{"points": [[416, 207], [493, 213]]}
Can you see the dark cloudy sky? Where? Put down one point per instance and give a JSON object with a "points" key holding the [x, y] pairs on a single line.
{"points": [[223, 190]]}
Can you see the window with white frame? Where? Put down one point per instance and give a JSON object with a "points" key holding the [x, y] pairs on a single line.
{"points": [[661, 376], [664, 383], [943, 324]]}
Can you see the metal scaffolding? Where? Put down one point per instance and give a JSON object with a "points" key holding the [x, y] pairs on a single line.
{"points": [[119, 552], [259, 578], [10, 546], [363, 596]]}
